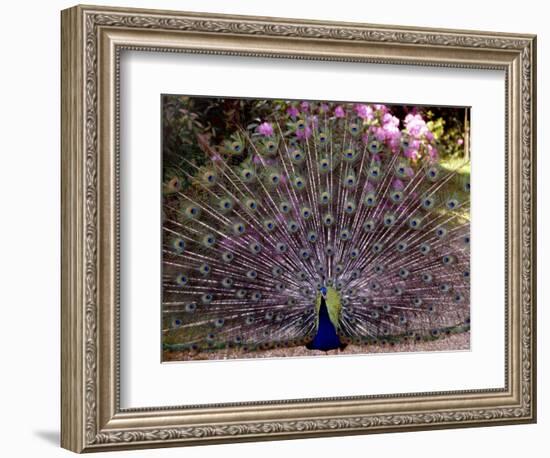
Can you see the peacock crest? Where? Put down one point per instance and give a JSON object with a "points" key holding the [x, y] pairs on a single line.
{"points": [[318, 226]]}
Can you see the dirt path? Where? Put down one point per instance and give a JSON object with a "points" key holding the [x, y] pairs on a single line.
{"points": [[453, 342]]}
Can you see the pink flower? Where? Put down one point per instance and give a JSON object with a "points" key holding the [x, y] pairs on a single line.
{"points": [[381, 108], [415, 125], [398, 185], [412, 154], [324, 107], [364, 111], [305, 106], [429, 136], [460, 141], [369, 186], [304, 133], [380, 134], [293, 112], [339, 112], [432, 152], [266, 129]]}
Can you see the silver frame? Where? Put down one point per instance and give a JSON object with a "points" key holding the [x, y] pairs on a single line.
{"points": [[92, 40]]}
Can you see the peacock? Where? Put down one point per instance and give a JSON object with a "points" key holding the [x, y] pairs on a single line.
{"points": [[323, 225]]}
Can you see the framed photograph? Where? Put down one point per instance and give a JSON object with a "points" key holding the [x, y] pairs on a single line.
{"points": [[277, 228]]}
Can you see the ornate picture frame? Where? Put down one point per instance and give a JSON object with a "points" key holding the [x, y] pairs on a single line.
{"points": [[92, 41]]}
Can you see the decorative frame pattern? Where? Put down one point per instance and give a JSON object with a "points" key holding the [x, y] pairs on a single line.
{"points": [[92, 39]]}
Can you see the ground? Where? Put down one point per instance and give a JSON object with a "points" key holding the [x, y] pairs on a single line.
{"points": [[454, 342]]}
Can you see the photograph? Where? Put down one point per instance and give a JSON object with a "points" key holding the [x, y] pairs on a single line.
{"points": [[308, 227]]}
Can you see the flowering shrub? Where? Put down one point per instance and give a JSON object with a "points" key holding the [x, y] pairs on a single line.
{"points": [[411, 136], [418, 133]]}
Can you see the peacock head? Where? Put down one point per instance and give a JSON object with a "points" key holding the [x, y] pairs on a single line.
{"points": [[323, 291]]}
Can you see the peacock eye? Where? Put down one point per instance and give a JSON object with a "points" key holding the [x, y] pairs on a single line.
{"points": [[209, 240], [269, 225], [374, 172], [179, 245], [182, 280], [389, 220], [325, 197], [292, 226], [350, 207], [414, 223], [350, 180], [255, 247], [299, 183], [375, 146], [432, 173], [397, 196], [401, 246], [227, 256], [452, 204], [227, 282], [252, 274], [284, 207], [328, 220], [448, 259], [441, 232], [239, 228]]}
